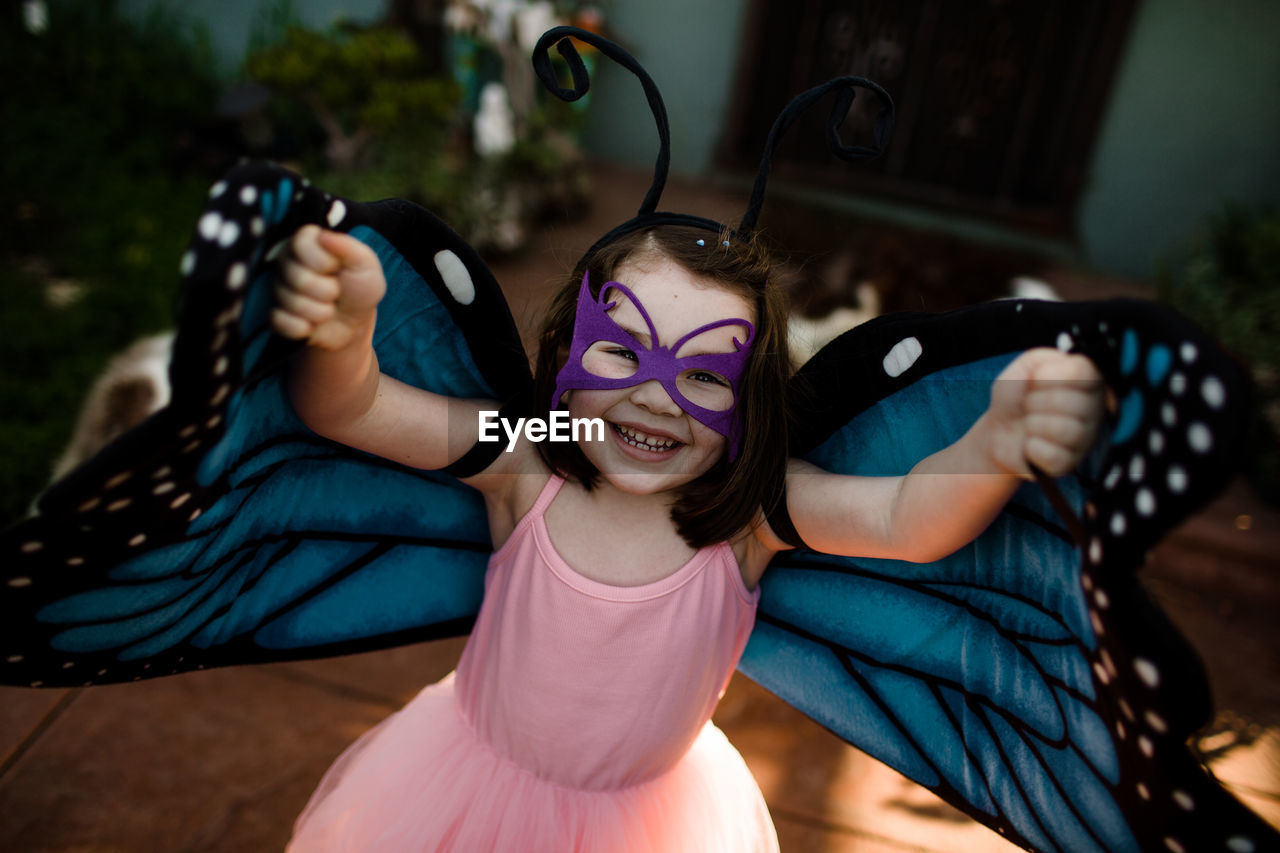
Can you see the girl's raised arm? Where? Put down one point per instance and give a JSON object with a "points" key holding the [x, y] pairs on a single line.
{"points": [[329, 293], [1045, 410]]}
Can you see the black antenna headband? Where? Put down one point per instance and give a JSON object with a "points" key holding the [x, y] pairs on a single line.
{"points": [[649, 215], [582, 82], [845, 93]]}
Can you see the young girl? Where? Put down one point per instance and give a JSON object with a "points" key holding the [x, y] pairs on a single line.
{"points": [[623, 585]]}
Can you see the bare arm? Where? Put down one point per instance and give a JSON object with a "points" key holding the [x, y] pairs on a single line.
{"points": [[1045, 410], [331, 287]]}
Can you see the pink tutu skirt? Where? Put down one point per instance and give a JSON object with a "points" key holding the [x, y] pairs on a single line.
{"points": [[423, 781]]}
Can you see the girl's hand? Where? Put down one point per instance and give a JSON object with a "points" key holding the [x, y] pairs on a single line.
{"points": [[329, 291], [1045, 410]]}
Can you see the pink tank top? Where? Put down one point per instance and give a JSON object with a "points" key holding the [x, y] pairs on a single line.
{"points": [[594, 686]]}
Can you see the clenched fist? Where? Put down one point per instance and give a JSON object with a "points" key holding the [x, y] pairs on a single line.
{"points": [[1045, 410], [330, 287]]}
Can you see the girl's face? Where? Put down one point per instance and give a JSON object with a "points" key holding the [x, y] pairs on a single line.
{"points": [[651, 445]]}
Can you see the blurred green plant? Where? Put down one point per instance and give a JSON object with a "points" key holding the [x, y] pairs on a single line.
{"points": [[99, 186], [112, 142], [390, 127], [360, 85], [1229, 283]]}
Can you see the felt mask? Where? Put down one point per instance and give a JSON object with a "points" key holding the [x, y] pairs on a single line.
{"points": [[705, 385]]}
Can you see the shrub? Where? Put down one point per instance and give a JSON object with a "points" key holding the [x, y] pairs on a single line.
{"points": [[1229, 282]]}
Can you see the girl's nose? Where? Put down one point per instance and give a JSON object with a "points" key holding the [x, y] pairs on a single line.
{"points": [[652, 396]]}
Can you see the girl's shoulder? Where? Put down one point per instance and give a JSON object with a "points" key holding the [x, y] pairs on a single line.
{"points": [[510, 486], [753, 548]]}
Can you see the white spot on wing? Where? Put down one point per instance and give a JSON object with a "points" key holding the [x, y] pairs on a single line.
{"points": [[337, 212], [1108, 664], [1199, 437], [1155, 442], [1213, 392], [1118, 524], [209, 225], [904, 354], [1137, 468], [455, 275], [1147, 672], [237, 275]]}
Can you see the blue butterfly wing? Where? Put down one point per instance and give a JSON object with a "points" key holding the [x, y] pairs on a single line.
{"points": [[222, 530], [1026, 679]]}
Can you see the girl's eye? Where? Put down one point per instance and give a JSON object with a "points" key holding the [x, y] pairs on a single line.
{"points": [[708, 378], [622, 352]]}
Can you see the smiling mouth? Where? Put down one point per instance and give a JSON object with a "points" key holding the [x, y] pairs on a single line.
{"points": [[651, 443]]}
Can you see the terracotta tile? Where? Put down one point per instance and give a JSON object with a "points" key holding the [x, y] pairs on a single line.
{"points": [[803, 837], [1266, 807], [1253, 766], [222, 760], [1238, 640], [22, 710], [394, 676], [809, 775]]}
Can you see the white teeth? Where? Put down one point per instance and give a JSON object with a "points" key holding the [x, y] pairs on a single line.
{"points": [[646, 442]]}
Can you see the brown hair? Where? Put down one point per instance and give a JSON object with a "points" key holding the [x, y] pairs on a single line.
{"points": [[727, 498]]}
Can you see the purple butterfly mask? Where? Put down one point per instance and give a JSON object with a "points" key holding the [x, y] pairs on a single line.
{"points": [[677, 374]]}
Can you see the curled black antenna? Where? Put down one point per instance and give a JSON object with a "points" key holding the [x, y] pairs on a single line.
{"points": [[648, 215], [561, 37], [845, 92]]}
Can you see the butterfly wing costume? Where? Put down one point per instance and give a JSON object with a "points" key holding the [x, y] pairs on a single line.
{"points": [[1026, 679]]}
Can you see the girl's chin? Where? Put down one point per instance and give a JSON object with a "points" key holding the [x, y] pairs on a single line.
{"points": [[636, 480], [639, 484]]}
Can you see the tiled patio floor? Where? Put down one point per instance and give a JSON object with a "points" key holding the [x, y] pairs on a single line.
{"points": [[224, 760]]}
